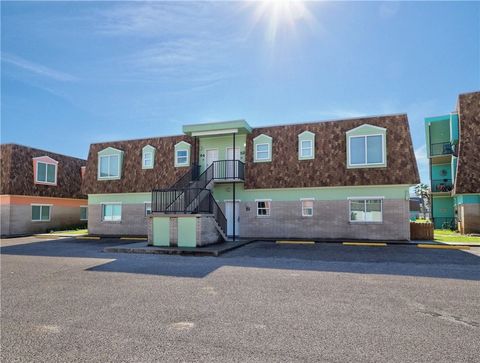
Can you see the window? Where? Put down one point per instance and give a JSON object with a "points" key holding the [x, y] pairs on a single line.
{"points": [[147, 159], [148, 208], [181, 157], [366, 210], [366, 150], [83, 213], [109, 166], [41, 213], [263, 208], [262, 152], [306, 149], [307, 207], [46, 173], [112, 212]]}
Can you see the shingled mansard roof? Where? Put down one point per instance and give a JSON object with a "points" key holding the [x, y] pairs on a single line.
{"points": [[16, 168], [468, 167], [328, 169]]}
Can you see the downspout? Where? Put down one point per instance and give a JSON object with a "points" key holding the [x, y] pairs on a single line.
{"points": [[430, 171], [233, 189]]}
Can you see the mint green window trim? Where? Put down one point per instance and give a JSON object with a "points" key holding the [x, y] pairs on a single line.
{"points": [[306, 145], [262, 149], [148, 157], [110, 164], [111, 212], [366, 147], [182, 154]]}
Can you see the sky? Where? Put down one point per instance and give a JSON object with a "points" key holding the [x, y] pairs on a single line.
{"points": [[82, 72]]}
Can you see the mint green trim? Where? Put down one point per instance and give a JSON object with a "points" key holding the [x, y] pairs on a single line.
{"points": [[467, 199], [453, 127], [241, 125], [262, 139], [146, 149], [161, 231], [223, 192], [124, 198], [367, 130], [182, 146], [110, 151], [306, 136], [187, 231], [221, 143]]}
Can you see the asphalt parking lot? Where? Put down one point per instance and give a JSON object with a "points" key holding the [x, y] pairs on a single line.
{"points": [[66, 300]]}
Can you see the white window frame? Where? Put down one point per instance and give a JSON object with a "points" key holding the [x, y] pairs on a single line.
{"points": [[308, 148], [269, 156], [100, 166], [144, 159], [103, 212], [350, 199], [302, 200], [46, 173], [83, 206], [145, 207], [50, 206], [366, 150], [269, 209], [186, 163]]}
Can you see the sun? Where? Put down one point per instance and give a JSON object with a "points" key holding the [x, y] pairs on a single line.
{"points": [[280, 15]]}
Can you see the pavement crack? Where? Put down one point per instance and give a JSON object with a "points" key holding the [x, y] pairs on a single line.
{"points": [[451, 318]]}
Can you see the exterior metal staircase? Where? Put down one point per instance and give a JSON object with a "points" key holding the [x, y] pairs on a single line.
{"points": [[191, 194]]}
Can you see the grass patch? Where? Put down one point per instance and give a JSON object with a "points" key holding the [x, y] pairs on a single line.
{"points": [[73, 232], [448, 236]]}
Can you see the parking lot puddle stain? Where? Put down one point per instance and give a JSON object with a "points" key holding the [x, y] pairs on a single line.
{"points": [[49, 328], [182, 326]]}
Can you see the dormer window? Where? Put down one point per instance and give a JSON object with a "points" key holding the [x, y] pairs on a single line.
{"points": [[366, 147], [110, 164], [148, 153], [306, 145], [182, 154], [45, 170], [262, 146]]}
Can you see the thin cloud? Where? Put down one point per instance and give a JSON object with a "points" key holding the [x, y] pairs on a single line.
{"points": [[38, 69], [422, 162]]}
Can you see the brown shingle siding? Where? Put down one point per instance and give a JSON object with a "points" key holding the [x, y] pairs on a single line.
{"points": [[134, 178], [18, 177], [468, 167], [329, 166]]}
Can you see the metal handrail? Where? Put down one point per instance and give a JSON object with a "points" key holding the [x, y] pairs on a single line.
{"points": [[442, 185], [441, 148]]}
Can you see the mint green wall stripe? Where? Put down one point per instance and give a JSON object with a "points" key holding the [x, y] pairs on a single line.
{"points": [[223, 192], [126, 198]]}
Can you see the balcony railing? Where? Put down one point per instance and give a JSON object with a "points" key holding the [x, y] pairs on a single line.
{"points": [[228, 170], [445, 223], [442, 186], [441, 148]]}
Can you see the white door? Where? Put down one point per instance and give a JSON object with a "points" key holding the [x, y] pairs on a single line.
{"points": [[229, 216], [211, 156], [231, 165]]}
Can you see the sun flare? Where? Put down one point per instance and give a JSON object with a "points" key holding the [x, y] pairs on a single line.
{"points": [[280, 15]]}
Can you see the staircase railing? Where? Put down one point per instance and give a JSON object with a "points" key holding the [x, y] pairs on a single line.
{"points": [[180, 202]]}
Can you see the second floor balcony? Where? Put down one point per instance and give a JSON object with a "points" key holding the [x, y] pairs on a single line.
{"points": [[442, 186], [441, 148]]}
